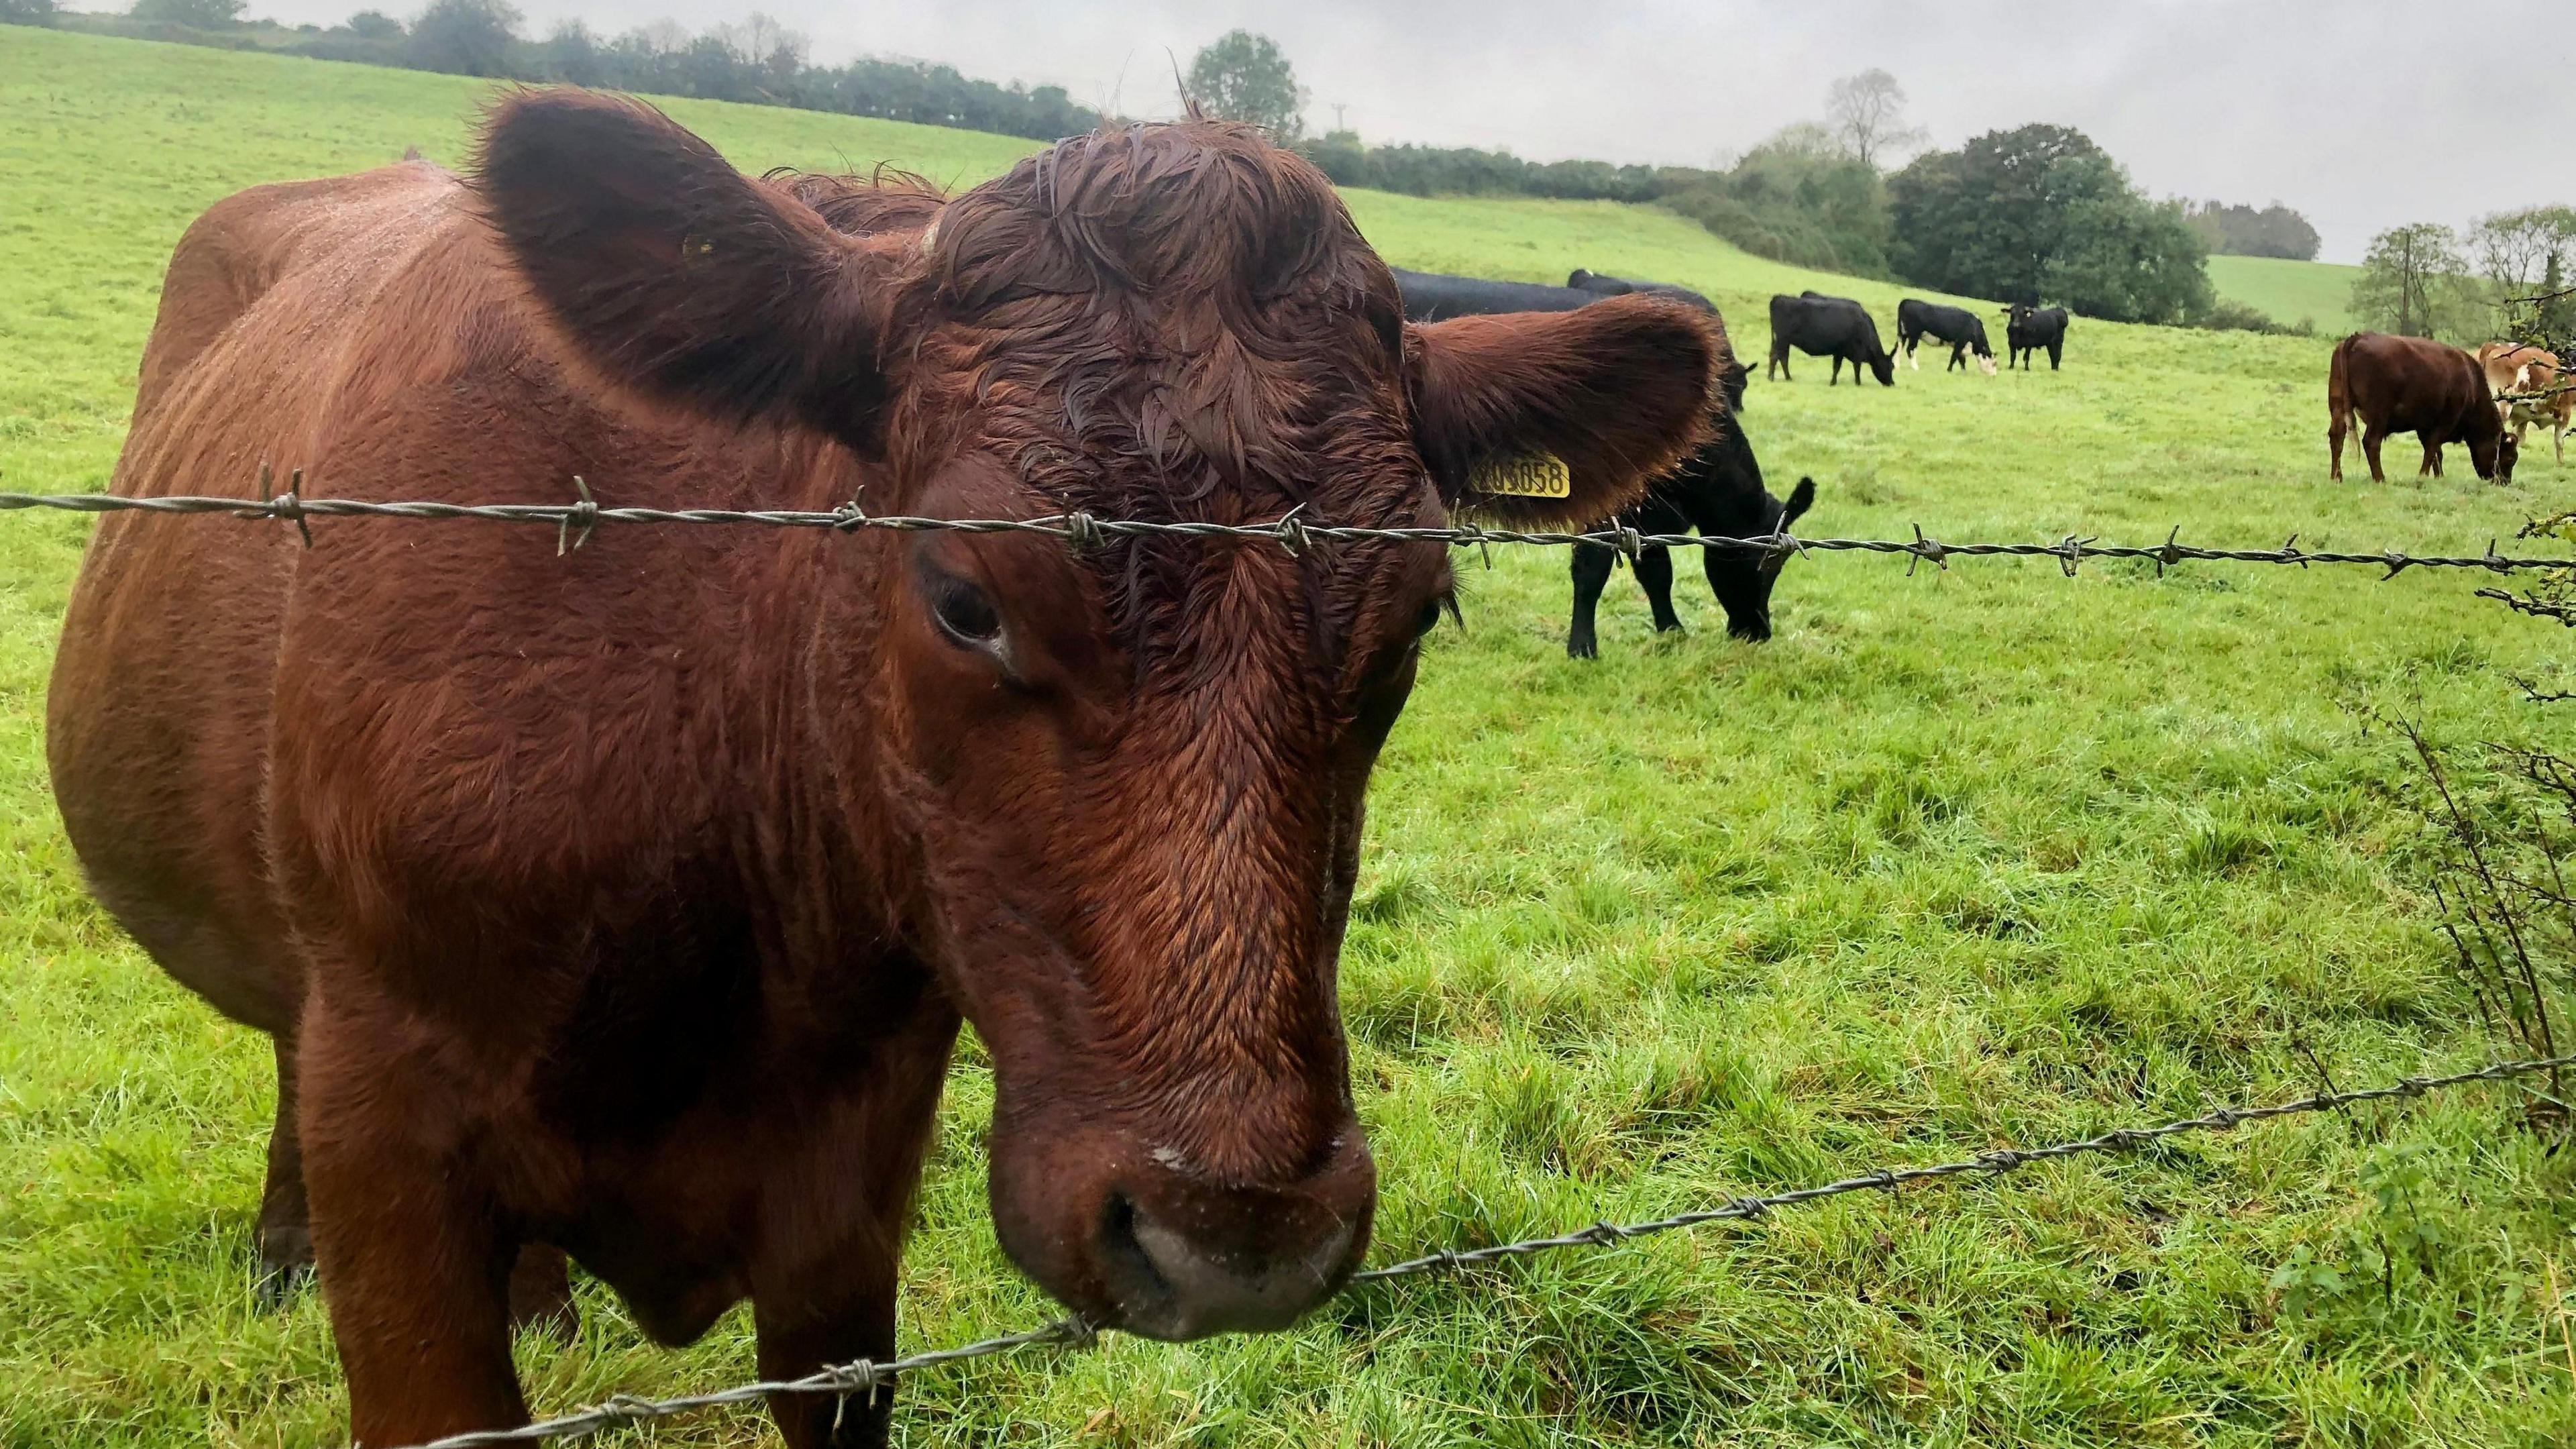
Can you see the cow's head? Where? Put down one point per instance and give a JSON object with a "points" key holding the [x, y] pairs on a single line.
{"points": [[2494, 457], [1113, 794], [1742, 581]]}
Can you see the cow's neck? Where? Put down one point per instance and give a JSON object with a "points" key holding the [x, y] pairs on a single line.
{"points": [[816, 857]]}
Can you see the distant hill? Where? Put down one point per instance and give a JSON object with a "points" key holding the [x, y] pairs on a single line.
{"points": [[2288, 291]]}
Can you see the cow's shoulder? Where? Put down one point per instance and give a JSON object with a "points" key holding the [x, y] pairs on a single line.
{"points": [[235, 253]]}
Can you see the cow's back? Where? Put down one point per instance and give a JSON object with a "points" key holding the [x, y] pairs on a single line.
{"points": [[2413, 384]]}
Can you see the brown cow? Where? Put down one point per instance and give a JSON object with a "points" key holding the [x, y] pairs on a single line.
{"points": [[2531, 390], [2502, 361], [628, 902], [2414, 385]]}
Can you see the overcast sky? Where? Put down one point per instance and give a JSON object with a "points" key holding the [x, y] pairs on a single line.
{"points": [[2360, 113]]}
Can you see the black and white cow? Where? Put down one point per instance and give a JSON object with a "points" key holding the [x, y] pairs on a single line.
{"points": [[1835, 327], [2028, 329], [1964, 331], [1718, 490]]}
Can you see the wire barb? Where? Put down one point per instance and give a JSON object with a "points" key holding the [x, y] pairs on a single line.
{"points": [[1082, 532], [585, 514], [290, 505]]}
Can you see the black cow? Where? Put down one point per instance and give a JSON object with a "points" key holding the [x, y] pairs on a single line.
{"points": [[1962, 329], [1437, 296], [1717, 490], [1822, 326], [2028, 329], [1601, 286]]}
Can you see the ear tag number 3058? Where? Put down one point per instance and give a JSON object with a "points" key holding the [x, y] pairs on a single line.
{"points": [[1530, 475]]}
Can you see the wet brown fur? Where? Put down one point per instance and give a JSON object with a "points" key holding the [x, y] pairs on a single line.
{"points": [[627, 902]]}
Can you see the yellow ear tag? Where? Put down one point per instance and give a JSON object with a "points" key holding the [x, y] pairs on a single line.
{"points": [[1530, 475]]}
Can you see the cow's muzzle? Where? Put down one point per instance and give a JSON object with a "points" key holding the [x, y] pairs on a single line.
{"points": [[1157, 1248]]}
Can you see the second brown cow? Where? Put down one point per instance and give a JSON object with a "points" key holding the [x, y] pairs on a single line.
{"points": [[2414, 385]]}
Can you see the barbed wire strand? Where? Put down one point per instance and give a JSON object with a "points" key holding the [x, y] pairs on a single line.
{"points": [[574, 523], [867, 1377]]}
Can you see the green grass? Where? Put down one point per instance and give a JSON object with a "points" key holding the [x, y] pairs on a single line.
{"points": [[1975, 857], [2290, 292]]}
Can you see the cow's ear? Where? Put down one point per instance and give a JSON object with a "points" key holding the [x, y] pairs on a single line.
{"points": [[1553, 419], [675, 275]]}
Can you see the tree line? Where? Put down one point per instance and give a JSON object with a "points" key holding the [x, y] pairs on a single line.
{"points": [[2035, 214], [758, 61], [2241, 231]]}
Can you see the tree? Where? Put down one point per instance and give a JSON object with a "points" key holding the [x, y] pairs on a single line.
{"points": [[2241, 231], [375, 25], [1866, 113], [1800, 197], [1245, 77], [194, 14], [2408, 281], [2517, 252], [572, 55], [27, 12], [465, 37], [2553, 319], [2042, 214], [769, 45]]}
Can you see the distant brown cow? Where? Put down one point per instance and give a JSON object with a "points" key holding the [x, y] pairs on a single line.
{"points": [[628, 902], [2414, 385]]}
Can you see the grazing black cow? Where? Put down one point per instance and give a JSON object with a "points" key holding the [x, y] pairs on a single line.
{"points": [[1962, 329], [1718, 490], [2028, 329], [1822, 326]]}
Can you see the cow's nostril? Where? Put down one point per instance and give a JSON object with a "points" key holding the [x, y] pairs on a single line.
{"points": [[1171, 1285], [1129, 1268]]}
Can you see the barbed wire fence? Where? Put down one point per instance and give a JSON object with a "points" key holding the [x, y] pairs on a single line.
{"points": [[868, 1377], [575, 523]]}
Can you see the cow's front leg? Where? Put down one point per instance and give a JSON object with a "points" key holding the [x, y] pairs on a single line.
{"points": [[817, 1326], [414, 1262], [823, 1291]]}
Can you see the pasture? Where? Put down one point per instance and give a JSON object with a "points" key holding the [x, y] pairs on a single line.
{"points": [[2287, 291], [1964, 859]]}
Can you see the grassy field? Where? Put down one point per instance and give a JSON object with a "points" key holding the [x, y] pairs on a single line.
{"points": [[2289, 292], [1958, 860]]}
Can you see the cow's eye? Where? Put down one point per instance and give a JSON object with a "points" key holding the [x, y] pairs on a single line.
{"points": [[964, 614]]}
